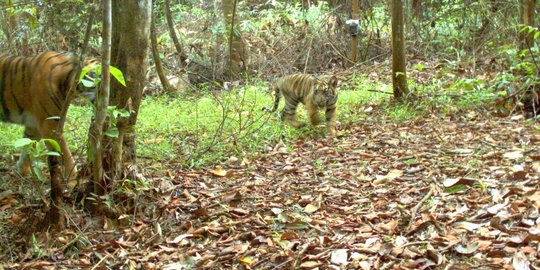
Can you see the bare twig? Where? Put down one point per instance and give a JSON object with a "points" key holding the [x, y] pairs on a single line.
{"points": [[417, 207]]}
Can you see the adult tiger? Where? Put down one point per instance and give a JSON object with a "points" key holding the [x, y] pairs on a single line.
{"points": [[32, 93], [314, 93]]}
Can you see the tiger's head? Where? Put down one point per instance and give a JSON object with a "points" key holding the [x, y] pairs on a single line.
{"points": [[325, 92]]}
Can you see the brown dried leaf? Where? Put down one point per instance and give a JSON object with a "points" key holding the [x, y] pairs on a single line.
{"points": [[469, 249], [513, 155], [520, 262], [219, 171], [310, 208], [339, 257], [310, 264]]}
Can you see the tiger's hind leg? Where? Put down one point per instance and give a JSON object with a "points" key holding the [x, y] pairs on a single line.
{"points": [[288, 114], [48, 130]]}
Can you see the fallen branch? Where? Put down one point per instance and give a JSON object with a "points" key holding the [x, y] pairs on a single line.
{"points": [[417, 207]]}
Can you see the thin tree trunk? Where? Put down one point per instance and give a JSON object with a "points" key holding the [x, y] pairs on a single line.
{"points": [[399, 75], [417, 9], [100, 183], [355, 9], [527, 18], [56, 212], [155, 55], [172, 32], [237, 54]]}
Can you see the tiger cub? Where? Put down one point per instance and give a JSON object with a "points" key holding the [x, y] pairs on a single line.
{"points": [[32, 93], [315, 93]]}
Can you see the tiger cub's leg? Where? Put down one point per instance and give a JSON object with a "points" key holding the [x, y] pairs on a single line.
{"points": [[24, 164], [288, 114], [313, 114], [330, 116]]}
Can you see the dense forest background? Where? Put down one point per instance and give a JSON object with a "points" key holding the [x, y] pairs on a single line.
{"points": [[283, 37]]}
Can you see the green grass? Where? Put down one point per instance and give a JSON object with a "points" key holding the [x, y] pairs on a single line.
{"points": [[210, 128]]}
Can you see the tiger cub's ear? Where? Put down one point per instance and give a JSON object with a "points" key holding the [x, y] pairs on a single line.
{"points": [[333, 82]]}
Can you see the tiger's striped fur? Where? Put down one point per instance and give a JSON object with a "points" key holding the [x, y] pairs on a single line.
{"points": [[32, 93], [315, 93]]}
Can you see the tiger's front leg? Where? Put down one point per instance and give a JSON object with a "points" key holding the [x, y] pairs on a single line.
{"points": [[331, 120], [314, 115]]}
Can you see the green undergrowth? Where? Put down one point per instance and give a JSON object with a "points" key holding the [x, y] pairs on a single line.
{"points": [[195, 132]]}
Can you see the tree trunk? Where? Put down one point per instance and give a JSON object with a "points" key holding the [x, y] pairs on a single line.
{"points": [[526, 18], [307, 3], [172, 32], [56, 216], [130, 35], [100, 183], [399, 75], [237, 54], [417, 9], [354, 38], [155, 55]]}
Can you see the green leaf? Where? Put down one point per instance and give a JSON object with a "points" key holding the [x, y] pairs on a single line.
{"points": [[23, 142], [455, 189], [84, 71], [88, 83], [52, 153], [112, 132], [37, 172], [118, 75], [54, 144]]}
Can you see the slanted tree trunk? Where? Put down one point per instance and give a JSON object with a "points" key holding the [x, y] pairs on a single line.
{"points": [[526, 18], [130, 36], [399, 75], [172, 32], [155, 55], [237, 53]]}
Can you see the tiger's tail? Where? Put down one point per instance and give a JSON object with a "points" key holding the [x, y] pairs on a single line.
{"points": [[277, 98]]}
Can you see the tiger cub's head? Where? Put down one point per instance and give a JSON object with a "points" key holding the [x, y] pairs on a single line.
{"points": [[325, 92]]}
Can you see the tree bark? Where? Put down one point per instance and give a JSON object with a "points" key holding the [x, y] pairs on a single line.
{"points": [[96, 138], [172, 32], [526, 18], [399, 75], [155, 55], [355, 9], [237, 54], [417, 9], [130, 36], [56, 215]]}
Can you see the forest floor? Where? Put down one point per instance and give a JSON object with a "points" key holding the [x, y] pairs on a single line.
{"points": [[452, 192]]}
